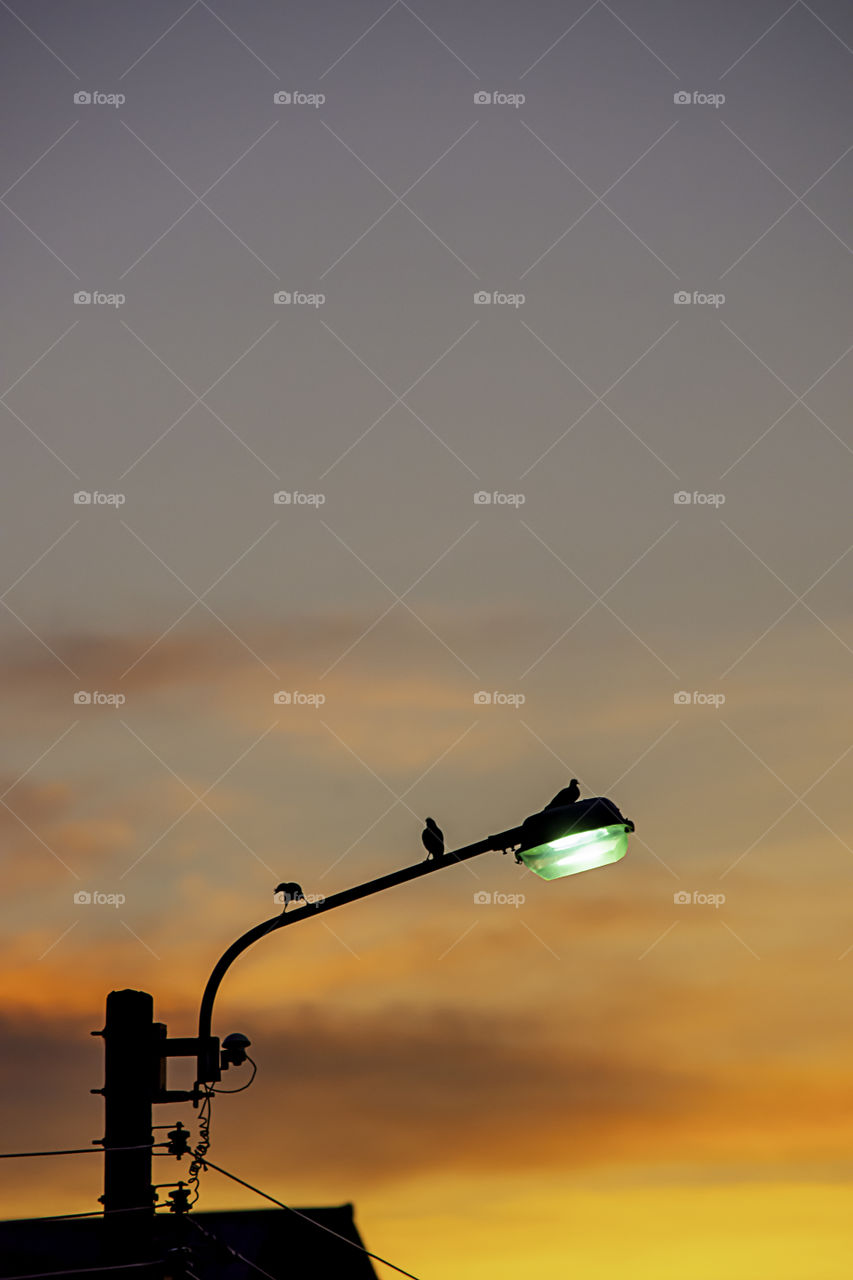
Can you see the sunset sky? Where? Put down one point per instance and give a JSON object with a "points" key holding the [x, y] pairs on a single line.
{"points": [[599, 1079]]}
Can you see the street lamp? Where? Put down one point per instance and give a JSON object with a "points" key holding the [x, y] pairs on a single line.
{"points": [[561, 840], [558, 841]]}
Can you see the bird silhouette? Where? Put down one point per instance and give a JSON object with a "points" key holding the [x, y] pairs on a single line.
{"points": [[292, 892], [568, 795], [433, 838]]}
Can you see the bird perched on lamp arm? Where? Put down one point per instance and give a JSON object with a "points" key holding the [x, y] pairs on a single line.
{"points": [[291, 892], [433, 839]]}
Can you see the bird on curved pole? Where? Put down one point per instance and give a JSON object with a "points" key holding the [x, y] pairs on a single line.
{"points": [[291, 892]]}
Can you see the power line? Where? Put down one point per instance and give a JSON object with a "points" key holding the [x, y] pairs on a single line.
{"points": [[71, 1151], [234, 1253], [313, 1221], [84, 1271], [78, 1151], [204, 1121], [242, 1086], [90, 1213]]}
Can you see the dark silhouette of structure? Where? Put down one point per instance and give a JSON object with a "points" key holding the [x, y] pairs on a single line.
{"points": [[211, 1246]]}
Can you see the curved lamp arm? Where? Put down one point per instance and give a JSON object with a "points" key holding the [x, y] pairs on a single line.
{"points": [[208, 1046]]}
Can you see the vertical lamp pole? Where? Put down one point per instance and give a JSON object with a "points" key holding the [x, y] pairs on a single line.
{"points": [[129, 1083], [128, 1091], [136, 1051]]}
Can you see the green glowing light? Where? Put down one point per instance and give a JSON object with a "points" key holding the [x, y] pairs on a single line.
{"points": [[581, 851]]}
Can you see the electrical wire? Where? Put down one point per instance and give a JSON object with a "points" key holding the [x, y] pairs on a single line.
{"points": [[228, 1248], [90, 1213], [95, 1149], [85, 1271], [71, 1151], [204, 1118], [242, 1086], [305, 1216]]}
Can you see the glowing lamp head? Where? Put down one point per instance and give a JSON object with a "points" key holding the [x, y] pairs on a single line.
{"points": [[576, 837]]}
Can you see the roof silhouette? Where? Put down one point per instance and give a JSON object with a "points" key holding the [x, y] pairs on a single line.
{"points": [[285, 1246]]}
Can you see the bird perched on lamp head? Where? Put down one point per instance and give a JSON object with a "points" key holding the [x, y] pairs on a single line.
{"points": [[433, 838], [291, 892], [568, 795]]}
